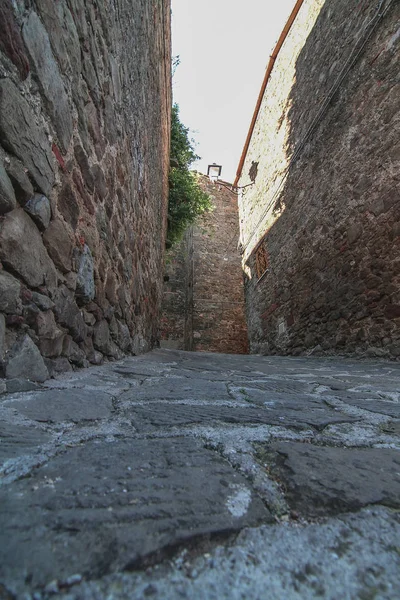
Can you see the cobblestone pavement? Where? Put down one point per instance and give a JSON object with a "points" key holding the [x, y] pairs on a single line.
{"points": [[203, 476]]}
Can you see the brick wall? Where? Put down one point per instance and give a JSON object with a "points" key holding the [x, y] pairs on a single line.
{"points": [[203, 307], [84, 133], [320, 225]]}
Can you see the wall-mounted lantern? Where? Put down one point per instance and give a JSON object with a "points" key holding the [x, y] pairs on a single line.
{"points": [[214, 171]]}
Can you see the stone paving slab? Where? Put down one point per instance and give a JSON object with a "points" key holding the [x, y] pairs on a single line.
{"points": [[146, 419], [17, 440], [375, 405], [58, 405], [106, 506], [320, 481], [105, 469], [353, 557]]}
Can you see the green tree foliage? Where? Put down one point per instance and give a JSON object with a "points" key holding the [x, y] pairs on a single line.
{"points": [[186, 200]]}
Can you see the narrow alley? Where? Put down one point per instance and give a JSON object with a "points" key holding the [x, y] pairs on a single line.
{"points": [[203, 476]]}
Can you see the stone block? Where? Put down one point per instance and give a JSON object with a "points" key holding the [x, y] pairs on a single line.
{"points": [[10, 290], [21, 385], [344, 479], [89, 74], [78, 13], [56, 406], [123, 336], [87, 200], [26, 362], [52, 347], [354, 232], [116, 80], [101, 337], [161, 492], [109, 120], [94, 129], [68, 313], [68, 205], [46, 325], [72, 351], [48, 74], [23, 188], [59, 243], [2, 336], [58, 365], [89, 318], [82, 160], [63, 34], [42, 302], [8, 200], [10, 39], [21, 136], [100, 185], [85, 287], [38, 207], [22, 249]]}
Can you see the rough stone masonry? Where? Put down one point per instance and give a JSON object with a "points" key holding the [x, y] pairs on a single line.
{"points": [[203, 303], [320, 220], [203, 476], [84, 143]]}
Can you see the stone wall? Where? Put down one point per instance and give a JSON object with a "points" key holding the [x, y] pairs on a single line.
{"points": [[320, 228], [84, 133], [203, 306]]}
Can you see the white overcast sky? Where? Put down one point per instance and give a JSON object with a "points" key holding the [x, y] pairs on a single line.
{"points": [[224, 48]]}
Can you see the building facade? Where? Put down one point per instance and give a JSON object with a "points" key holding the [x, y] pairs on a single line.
{"points": [[203, 306], [320, 195], [85, 105]]}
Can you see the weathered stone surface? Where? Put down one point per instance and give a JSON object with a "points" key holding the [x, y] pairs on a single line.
{"points": [[25, 362], [62, 32], [23, 137], [377, 405], [102, 492], [109, 120], [123, 336], [22, 249], [186, 491], [317, 219], [38, 207], [37, 41], [315, 560], [10, 39], [85, 287], [17, 440], [43, 302], [79, 59], [82, 160], [58, 365], [10, 289], [2, 336], [22, 186], [50, 336], [59, 243], [56, 406], [101, 337], [343, 479], [75, 355], [100, 185], [68, 313], [68, 206], [8, 200], [21, 385], [201, 289]]}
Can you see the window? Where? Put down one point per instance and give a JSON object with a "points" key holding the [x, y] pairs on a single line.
{"points": [[261, 260]]}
